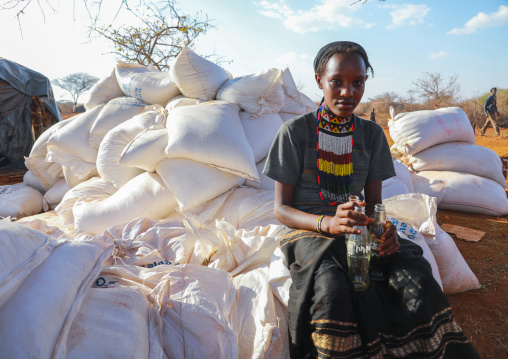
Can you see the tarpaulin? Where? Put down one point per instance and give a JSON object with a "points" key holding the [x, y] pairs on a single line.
{"points": [[19, 88]]}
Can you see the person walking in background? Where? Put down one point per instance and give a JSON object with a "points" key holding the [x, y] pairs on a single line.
{"points": [[490, 109], [373, 115]]}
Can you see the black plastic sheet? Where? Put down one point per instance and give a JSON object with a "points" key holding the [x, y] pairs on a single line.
{"points": [[18, 86]]}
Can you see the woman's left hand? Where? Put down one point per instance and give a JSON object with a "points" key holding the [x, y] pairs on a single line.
{"points": [[390, 243]]}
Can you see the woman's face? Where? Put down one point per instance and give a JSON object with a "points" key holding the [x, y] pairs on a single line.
{"points": [[343, 83]]}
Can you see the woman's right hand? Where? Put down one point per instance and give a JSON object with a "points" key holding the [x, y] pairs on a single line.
{"points": [[345, 219]]}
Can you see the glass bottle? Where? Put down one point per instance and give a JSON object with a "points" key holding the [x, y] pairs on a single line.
{"points": [[378, 262], [358, 255]]}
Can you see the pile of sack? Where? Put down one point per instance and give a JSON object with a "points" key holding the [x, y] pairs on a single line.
{"points": [[163, 228], [439, 149], [157, 141]]}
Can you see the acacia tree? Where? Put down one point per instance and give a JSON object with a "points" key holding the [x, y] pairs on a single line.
{"points": [[436, 89], [76, 84], [160, 35]]}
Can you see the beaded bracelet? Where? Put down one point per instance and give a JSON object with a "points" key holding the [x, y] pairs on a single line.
{"points": [[320, 219]]}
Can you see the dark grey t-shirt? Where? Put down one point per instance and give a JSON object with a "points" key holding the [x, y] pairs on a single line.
{"points": [[293, 157]]}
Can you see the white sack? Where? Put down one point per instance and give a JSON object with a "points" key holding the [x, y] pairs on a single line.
{"points": [[416, 209], [407, 232], [30, 180], [460, 157], [46, 173], [193, 183], [211, 133], [403, 174], [70, 145], [455, 273], [433, 187], [259, 94], [114, 143], [286, 116], [39, 149], [181, 100], [295, 102], [114, 113], [111, 323], [170, 239], [196, 76], [195, 307], [265, 182], [103, 91], [393, 186], [280, 277], [35, 321], [143, 196], [260, 132], [413, 132], [19, 200], [463, 192], [240, 250], [94, 189], [73, 180], [55, 194], [23, 250], [257, 326], [146, 84], [146, 150], [243, 207]]}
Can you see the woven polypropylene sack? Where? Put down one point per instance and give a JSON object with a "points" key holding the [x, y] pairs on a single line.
{"points": [[146, 84], [455, 273], [111, 323], [260, 132], [463, 192], [193, 183], [413, 132], [103, 91], [460, 157], [259, 94], [70, 147], [211, 133], [196, 76], [143, 196], [114, 113], [19, 200], [114, 143]]}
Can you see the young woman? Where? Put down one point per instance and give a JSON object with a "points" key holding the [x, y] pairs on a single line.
{"points": [[318, 160]]}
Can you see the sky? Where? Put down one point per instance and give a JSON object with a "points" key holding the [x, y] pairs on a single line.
{"points": [[403, 39]]}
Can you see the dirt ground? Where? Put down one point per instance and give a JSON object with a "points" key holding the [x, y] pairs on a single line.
{"points": [[483, 313]]}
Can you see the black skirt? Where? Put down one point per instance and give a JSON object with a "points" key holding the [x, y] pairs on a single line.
{"points": [[405, 316]]}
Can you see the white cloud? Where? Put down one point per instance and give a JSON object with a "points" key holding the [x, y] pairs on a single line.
{"points": [[293, 58], [328, 14], [439, 54], [482, 20], [408, 14]]}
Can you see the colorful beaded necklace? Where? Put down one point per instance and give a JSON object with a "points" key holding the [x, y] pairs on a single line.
{"points": [[335, 156]]}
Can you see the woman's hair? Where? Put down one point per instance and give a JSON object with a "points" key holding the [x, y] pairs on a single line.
{"points": [[339, 47]]}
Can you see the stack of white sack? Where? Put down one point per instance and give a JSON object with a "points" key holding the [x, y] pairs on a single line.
{"points": [[402, 183], [439, 147], [167, 283], [414, 215], [213, 134]]}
